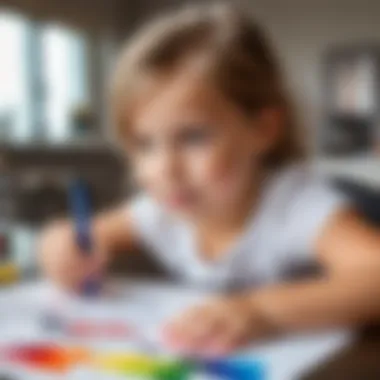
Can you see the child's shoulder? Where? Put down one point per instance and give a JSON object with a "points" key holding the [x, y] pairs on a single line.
{"points": [[302, 180], [304, 189], [307, 200]]}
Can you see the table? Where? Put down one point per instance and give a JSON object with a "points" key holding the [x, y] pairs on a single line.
{"points": [[359, 361]]}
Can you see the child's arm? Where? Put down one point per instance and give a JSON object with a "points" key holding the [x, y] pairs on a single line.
{"points": [[349, 294], [349, 249], [59, 254]]}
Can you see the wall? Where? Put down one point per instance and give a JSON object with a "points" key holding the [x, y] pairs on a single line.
{"points": [[92, 14]]}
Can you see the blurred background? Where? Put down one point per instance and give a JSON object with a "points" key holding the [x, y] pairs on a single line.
{"points": [[55, 58]]}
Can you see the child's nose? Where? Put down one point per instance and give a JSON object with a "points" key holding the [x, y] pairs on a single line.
{"points": [[168, 164]]}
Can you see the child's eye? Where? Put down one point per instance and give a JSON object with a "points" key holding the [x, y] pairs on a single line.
{"points": [[143, 145], [195, 136]]}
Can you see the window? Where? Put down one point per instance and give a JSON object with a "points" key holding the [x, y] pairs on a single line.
{"points": [[45, 86], [65, 63], [15, 107]]}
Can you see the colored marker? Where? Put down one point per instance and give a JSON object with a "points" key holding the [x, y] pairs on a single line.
{"points": [[81, 209]]}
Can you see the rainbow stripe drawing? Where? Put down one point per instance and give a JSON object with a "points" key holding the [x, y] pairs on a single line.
{"points": [[58, 359]]}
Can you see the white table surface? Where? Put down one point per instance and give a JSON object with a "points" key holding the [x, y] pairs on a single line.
{"points": [[147, 305]]}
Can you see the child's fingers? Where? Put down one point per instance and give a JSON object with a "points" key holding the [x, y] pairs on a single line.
{"points": [[198, 338], [211, 335], [179, 327], [219, 335], [195, 335], [70, 275], [232, 336], [65, 279]]}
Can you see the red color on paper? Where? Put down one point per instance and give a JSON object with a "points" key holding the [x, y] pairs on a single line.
{"points": [[45, 357], [91, 329]]}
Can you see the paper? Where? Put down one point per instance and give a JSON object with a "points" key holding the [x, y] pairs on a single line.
{"points": [[294, 357], [145, 306]]}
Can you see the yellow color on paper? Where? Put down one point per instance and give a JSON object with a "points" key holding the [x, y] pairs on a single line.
{"points": [[127, 363]]}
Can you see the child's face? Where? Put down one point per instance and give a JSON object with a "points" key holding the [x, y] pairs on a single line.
{"points": [[193, 149]]}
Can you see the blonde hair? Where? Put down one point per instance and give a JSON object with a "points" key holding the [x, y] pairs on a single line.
{"points": [[239, 59]]}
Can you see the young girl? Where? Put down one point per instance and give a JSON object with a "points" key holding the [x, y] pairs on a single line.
{"points": [[201, 110]]}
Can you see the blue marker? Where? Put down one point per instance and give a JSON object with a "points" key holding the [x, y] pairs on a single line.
{"points": [[80, 203]]}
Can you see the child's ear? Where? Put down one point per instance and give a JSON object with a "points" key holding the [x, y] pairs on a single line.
{"points": [[268, 126]]}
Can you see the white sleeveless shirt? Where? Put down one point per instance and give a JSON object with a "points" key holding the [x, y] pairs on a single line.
{"points": [[279, 236]]}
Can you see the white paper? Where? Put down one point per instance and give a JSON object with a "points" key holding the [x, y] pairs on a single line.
{"points": [[147, 306]]}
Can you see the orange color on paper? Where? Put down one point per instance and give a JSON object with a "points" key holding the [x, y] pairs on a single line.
{"points": [[45, 357]]}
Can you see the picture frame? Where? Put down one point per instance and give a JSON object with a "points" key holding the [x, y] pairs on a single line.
{"points": [[351, 89]]}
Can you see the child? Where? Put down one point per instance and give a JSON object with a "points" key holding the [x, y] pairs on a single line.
{"points": [[201, 110]]}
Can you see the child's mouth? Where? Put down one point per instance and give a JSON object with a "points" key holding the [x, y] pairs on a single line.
{"points": [[181, 200]]}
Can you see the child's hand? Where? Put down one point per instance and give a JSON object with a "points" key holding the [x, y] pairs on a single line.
{"points": [[216, 328], [61, 259]]}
